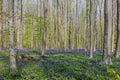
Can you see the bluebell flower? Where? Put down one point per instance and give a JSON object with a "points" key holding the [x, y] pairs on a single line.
{"points": [[82, 50], [119, 66], [62, 60], [51, 63], [98, 51], [99, 61], [58, 62], [93, 62], [22, 63], [40, 64], [103, 69], [43, 57]]}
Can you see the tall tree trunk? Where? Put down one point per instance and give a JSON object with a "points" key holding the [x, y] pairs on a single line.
{"points": [[13, 68], [118, 30], [1, 22], [45, 26], [87, 24], [19, 27], [58, 23], [41, 15], [55, 40], [95, 22], [91, 29], [107, 31], [101, 33]]}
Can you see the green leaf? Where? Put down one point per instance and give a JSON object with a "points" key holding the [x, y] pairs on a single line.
{"points": [[111, 71]]}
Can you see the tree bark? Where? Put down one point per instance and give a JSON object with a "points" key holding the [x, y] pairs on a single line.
{"points": [[58, 23], [118, 30], [91, 29], [13, 67], [107, 31], [1, 23], [19, 28], [45, 26]]}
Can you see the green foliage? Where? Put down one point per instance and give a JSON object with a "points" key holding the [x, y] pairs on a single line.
{"points": [[33, 73], [32, 29], [113, 74], [72, 66], [5, 36], [5, 53]]}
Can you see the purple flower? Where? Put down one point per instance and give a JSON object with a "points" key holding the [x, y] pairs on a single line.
{"points": [[93, 62], [99, 61], [58, 62], [82, 50], [62, 60], [22, 63], [51, 63], [52, 50], [43, 57], [40, 64], [103, 69], [98, 51], [119, 66]]}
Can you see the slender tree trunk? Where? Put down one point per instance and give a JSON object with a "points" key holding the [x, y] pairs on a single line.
{"points": [[19, 27], [91, 29], [13, 68], [45, 26], [41, 15], [101, 33], [118, 30], [112, 25], [58, 23], [87, 24], [54, 24], [1, 22], [95, 22]]}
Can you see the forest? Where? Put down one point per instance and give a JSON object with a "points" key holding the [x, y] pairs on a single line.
{"points": [[59, 39]]}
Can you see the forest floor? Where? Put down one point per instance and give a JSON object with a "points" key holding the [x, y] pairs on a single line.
{"points": [[67, 66]]}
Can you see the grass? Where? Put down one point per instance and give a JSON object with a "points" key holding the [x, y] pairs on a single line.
{"points": [[69, 66]]}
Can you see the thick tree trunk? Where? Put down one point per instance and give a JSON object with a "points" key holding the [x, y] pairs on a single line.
{"points": [[107, 31]]}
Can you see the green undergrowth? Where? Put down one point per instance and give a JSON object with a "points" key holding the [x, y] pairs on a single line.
{"points": [[68, 66]]}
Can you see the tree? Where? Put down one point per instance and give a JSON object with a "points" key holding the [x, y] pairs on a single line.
{"points": [[118, 30], [58, 23], [55, 21], [70, 25], [101, 27], [87, 24], [95, 22], [1, 22], [107, 31], [91, 28], [19, 27], [45, 26], [13, 68]]}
